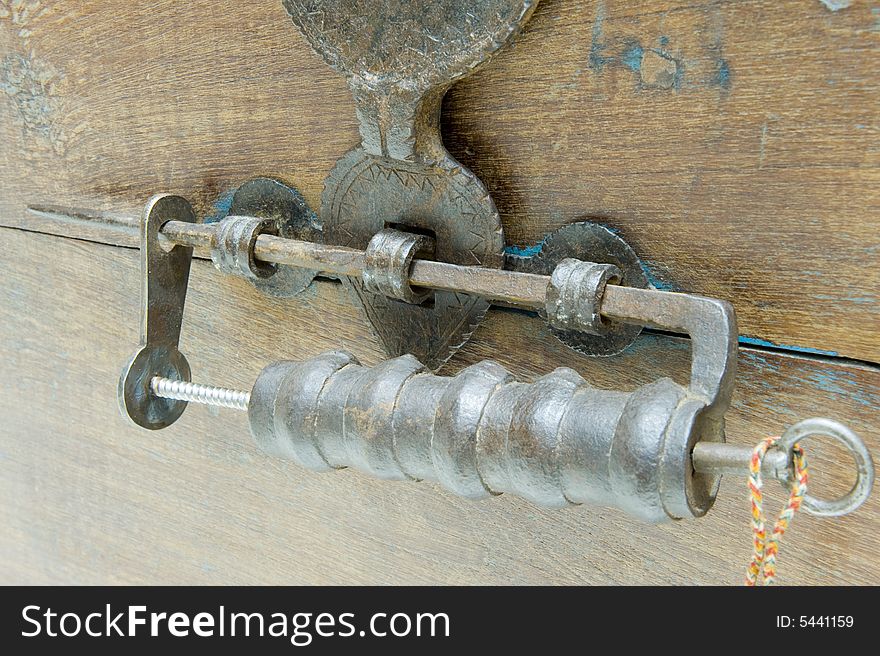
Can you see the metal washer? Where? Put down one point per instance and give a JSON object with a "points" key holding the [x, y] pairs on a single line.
{"points": [[589, 242], [387, 263], [574, 296], [233, 250], [290, 217]]}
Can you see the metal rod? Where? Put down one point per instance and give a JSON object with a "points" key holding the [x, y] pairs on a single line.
{"points": [[510, 287], [524, 289], [716, 458], [709, 323], [521, 289]]}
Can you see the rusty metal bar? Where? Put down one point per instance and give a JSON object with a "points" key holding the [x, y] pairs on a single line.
{"points": [[522, 289], [710, 323]]}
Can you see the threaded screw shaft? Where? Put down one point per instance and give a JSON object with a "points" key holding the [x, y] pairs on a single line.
{"points": [[180, 390]]}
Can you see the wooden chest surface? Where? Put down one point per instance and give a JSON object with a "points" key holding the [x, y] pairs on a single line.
{"points": [[732, 144]]}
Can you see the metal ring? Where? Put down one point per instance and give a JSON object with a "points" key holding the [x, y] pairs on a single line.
{"points": [[861, 489], [233, 251], [574, 295], [387, 262]]}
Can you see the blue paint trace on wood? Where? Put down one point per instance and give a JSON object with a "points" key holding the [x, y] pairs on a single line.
{"points": [[656, 282], [597, 46], [844, 383], [632, 57], [858, 300], [525, 251], [804, 350], [629, 53], [861, 300], [761, 361], [220, 208], [722, 74]]}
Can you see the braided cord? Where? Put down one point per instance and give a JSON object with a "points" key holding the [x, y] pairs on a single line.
{"points": [[767, 548]]}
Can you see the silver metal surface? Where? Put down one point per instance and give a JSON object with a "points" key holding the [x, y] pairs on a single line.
{"points": [[220, 397], [289, 217], [481, 433], [506, 438], [164, 275], [519, 288], [387, 263], [861, 489], [233, 251], [556, 442], [719, 459], [399, 58], [589, 242], [710, 323], [722, 458], [685, 475], [574, 296]]}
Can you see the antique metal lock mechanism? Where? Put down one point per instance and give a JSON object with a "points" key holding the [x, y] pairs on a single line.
{"points": [[416, 238]]}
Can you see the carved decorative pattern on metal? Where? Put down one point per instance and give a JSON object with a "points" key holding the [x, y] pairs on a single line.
{"points": [[399, 58]]}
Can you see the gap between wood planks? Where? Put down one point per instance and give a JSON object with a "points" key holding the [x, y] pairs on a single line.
{"points": [[130, 241]]}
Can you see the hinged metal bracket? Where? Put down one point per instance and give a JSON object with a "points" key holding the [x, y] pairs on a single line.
{"points": [[164, 280], [399, 59]]}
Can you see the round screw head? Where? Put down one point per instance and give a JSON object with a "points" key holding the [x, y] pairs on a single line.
{"points": [[137, 401]]}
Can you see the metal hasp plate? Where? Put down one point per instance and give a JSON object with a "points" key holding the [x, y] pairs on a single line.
{"points": [[589, 242], [164, 280], [400, 57], [265, 206]]}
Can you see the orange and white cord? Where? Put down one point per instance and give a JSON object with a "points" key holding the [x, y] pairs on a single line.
{"points": [[766, 548]]}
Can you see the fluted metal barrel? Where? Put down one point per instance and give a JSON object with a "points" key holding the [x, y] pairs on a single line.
{"points": [[557, 441]]}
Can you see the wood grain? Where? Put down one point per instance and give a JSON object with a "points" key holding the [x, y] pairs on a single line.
{"points": [[87, 499], [733, 144]]}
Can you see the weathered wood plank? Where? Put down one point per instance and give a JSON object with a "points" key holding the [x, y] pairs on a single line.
{"points": [[86, 499], [733, 144]]}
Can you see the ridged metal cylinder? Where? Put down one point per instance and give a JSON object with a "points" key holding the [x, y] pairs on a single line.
{"points": [[557, 441]]}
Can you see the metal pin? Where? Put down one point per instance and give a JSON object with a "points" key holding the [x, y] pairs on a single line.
{"points": [[718, 458], [715, 458]]}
